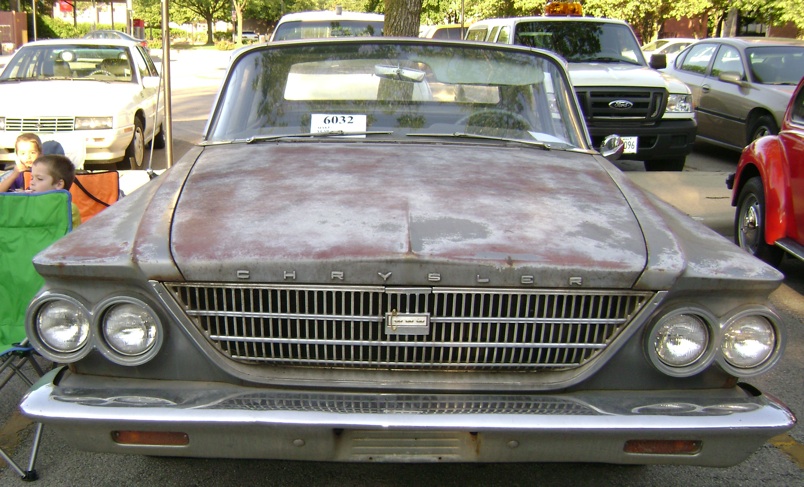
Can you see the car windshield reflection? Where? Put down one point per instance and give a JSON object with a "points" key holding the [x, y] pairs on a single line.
{"points": [[390, 91]]}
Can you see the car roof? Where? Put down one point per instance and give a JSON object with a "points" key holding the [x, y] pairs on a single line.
{"points": [[82, 41], [330, 15], [756, 41], [544, 18]]}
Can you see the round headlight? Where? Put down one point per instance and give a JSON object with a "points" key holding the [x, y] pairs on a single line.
{"points": [[748, 341], [129, 329], [680, 340], [63, 326]]}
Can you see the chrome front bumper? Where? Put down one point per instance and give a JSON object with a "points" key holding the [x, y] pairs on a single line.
{"points": [[226, 421]]}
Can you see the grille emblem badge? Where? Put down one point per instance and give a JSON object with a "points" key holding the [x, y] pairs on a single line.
{"points": [[407, 323], [621, 104]]}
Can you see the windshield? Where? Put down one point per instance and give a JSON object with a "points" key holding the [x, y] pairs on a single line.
{"points": [[782, 65], [65, 61], [396, 90], [315, 29], [581, 42]]}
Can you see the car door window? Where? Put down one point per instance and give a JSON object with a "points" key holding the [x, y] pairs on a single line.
{"points": [[728, 60], [493, 34], [505, 35], [798, 108], [698, 57]]}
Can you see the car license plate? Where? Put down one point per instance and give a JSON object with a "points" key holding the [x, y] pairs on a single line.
{"points": [[630, 145]]}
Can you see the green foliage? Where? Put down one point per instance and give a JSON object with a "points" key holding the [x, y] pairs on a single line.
{"points": [[224, 45]]}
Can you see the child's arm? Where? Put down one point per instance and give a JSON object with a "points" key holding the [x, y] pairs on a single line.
{"points": [[10, 176]]}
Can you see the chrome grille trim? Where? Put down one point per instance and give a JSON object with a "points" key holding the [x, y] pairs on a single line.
{"points": [[41, 124], [470, 329]]}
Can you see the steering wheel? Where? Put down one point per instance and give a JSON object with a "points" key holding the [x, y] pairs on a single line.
{"points": [[101, 71], [496, 118]]}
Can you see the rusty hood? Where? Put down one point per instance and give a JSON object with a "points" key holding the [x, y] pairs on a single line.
{"points": [[384, 213]]}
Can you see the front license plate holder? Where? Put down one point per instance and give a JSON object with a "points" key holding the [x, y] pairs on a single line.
{"points": [[631, 144]]}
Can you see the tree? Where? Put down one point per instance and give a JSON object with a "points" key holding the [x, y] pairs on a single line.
{"points": [[402, 17], [210, 11], [239, 5]]}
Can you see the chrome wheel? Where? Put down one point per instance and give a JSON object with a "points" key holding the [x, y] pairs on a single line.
{"points": [[750, 224]]}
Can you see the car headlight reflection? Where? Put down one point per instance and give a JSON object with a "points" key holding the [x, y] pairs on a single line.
{"points": [[129, 329], [93, 123], [748, 341], [679, 104], [63, 326]]}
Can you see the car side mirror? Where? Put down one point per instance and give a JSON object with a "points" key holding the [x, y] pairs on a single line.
{"points": [[731, 77], [612, 147], [658, 61]]}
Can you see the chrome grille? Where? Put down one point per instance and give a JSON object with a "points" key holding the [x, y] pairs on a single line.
{"points": [[469, 329], [42, 124]]}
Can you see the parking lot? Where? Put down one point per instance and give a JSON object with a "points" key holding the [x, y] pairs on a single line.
{"points": [[699, 191]]}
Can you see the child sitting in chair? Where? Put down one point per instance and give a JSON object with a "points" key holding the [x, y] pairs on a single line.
{"points": [[54, 172], [27, 148]]}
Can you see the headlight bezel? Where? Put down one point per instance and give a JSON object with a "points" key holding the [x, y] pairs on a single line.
{"points": [[775, 353], [111, 352], [709, 349], [34, 334]]}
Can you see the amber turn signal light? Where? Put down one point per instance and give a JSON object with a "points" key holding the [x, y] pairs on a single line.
{"points": [[156, 438]]}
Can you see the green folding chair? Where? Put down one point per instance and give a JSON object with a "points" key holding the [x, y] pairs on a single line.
{"points": [[29, 222]]}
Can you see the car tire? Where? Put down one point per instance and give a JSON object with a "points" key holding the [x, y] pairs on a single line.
{"points": [[675, 164], [749, 223], [761, 126], [135, 152], [159, 139]]}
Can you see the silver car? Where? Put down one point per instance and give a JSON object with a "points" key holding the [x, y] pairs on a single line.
{"points": [[740, 85], [420, 259]]}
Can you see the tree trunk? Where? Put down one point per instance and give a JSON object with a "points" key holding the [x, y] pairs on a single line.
{"points": [[210, 23], [402, 18]]}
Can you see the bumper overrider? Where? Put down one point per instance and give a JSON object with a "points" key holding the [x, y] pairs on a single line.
{"points": [[703, 427]]}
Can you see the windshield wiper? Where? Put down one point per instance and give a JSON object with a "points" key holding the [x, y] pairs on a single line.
{"points": [[465, 135], [331, 133]]}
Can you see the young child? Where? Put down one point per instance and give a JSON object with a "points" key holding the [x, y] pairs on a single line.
{"points": [[54, 172], [27, 148]]}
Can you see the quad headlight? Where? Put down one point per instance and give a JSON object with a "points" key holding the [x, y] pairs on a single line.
{"points": [[684, 341], [126, 330], [63, 326], [129, 329], [751, 343], [681, 342]]}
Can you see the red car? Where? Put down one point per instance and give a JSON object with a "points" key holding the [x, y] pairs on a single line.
{"points": [[768, 189]]}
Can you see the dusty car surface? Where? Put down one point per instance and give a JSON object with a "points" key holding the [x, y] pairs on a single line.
{"points": [[768, 189], [103, 91], [419, 259], [740, 85]]}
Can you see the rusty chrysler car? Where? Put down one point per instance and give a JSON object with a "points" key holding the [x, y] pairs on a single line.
{"points": [[403, 250]]}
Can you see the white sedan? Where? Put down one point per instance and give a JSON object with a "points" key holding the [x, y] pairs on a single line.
{"points": [[101, 93]]}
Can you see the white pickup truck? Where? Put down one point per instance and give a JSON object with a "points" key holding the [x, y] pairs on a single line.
{"points": [[619, 92]]}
